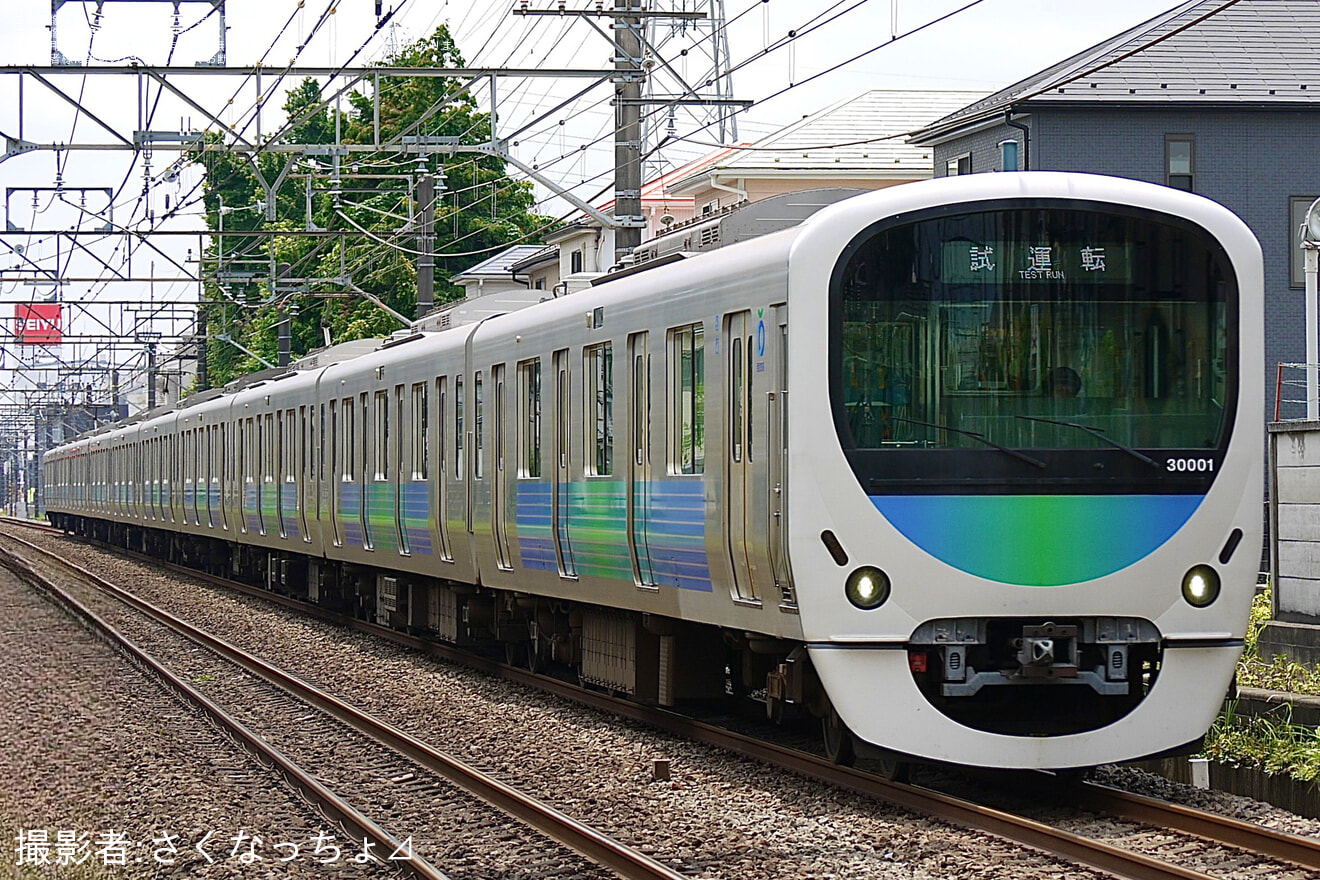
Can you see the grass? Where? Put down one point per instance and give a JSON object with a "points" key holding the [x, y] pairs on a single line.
{"points": [[1272, 744]]}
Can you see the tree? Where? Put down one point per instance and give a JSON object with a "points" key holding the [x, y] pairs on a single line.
{"points": [[369, 196]]}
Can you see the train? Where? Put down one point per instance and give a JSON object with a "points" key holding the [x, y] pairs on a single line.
{"points": [[966, 470]]}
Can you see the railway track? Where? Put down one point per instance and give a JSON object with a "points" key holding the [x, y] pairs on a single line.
{"points": [[297, 695], [1215, 830]]}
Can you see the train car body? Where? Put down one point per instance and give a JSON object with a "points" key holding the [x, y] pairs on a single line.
{"points": [[990, 495]]}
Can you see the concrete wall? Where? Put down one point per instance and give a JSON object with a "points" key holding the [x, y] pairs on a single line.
{"points": [[1295, 542]]}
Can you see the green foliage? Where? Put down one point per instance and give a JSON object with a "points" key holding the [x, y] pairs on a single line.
{"points": [[479, 211], [1273, 673], [1273, 744]]}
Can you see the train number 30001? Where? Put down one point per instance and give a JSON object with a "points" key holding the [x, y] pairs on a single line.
{"points": [[1190, 465]]}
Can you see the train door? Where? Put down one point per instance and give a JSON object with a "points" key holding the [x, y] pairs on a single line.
{"points": [[777, 458], [259, 473], [305, 470], [563, 485], [639, 459], [500, 480], [281, 472], [334, 490], [367, 474], [740, 522], [222, 476]]}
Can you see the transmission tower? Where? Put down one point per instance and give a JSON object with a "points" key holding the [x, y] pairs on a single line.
{"points": [[689, 58]]}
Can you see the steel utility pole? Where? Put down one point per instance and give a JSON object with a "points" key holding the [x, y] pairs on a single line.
{"points": [[628, 21], [426, 246]]}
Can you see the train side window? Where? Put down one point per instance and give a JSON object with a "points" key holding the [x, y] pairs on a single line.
{"points": [[281, 447], [441, 389], [736, 393], [259, 451], [291, 445], [687, 400], [320, 450], [420, 424], [365, 440], [333, 438], [479, 469], [382, 439], [271, 465], [599, 408], [399, 434], [458, 427], [347, 439], [529, 423]]}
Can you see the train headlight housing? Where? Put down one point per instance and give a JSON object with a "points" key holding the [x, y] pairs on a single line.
{"points": [[1200, 586], [867, 587]]}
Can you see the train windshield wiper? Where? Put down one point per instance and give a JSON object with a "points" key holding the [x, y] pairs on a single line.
{"points": [[1099, 434], [980, 438]]}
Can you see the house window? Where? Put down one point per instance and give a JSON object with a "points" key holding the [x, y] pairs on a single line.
{"points": [[539, 285], [1179, 160], [575, 261], [1297, 206], [1008, 156], [960, 165]]}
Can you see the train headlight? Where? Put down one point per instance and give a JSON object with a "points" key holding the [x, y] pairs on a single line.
{"points": [[1200, 586], [867, 587]]}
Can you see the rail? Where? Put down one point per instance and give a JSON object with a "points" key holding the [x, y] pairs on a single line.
{"points": [[581, 838], [1073, 848]]}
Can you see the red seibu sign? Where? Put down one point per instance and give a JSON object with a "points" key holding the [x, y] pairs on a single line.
{"points": [[37, 324]]}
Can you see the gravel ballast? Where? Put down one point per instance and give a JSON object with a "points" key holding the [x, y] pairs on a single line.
{"points": [[718, 815]]}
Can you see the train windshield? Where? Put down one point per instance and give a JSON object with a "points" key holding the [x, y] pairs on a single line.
{"points": [[1061, 344]]}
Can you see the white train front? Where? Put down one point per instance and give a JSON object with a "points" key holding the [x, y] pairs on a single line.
{"points": [[969, 469]]}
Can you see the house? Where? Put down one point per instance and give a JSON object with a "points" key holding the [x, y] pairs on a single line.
{"points": [[496, 274], [1216, 98], [858, 143], [861, 142]]}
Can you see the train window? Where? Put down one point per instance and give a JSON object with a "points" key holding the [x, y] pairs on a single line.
{"points": [[598, 368], [419, 426], [687, 400], [641, 403], [529, 422], [334, 439], [398, 430], [270, 465], [347, 439], [441, 387], [458, 427], [736, 396], [478, 463], [291, 447], [959, 338], [320, 450], [382, 444], [281, 448], [365, 440]]}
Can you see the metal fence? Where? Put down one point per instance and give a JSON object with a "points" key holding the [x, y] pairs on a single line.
{"points": [[1290, 392]]}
